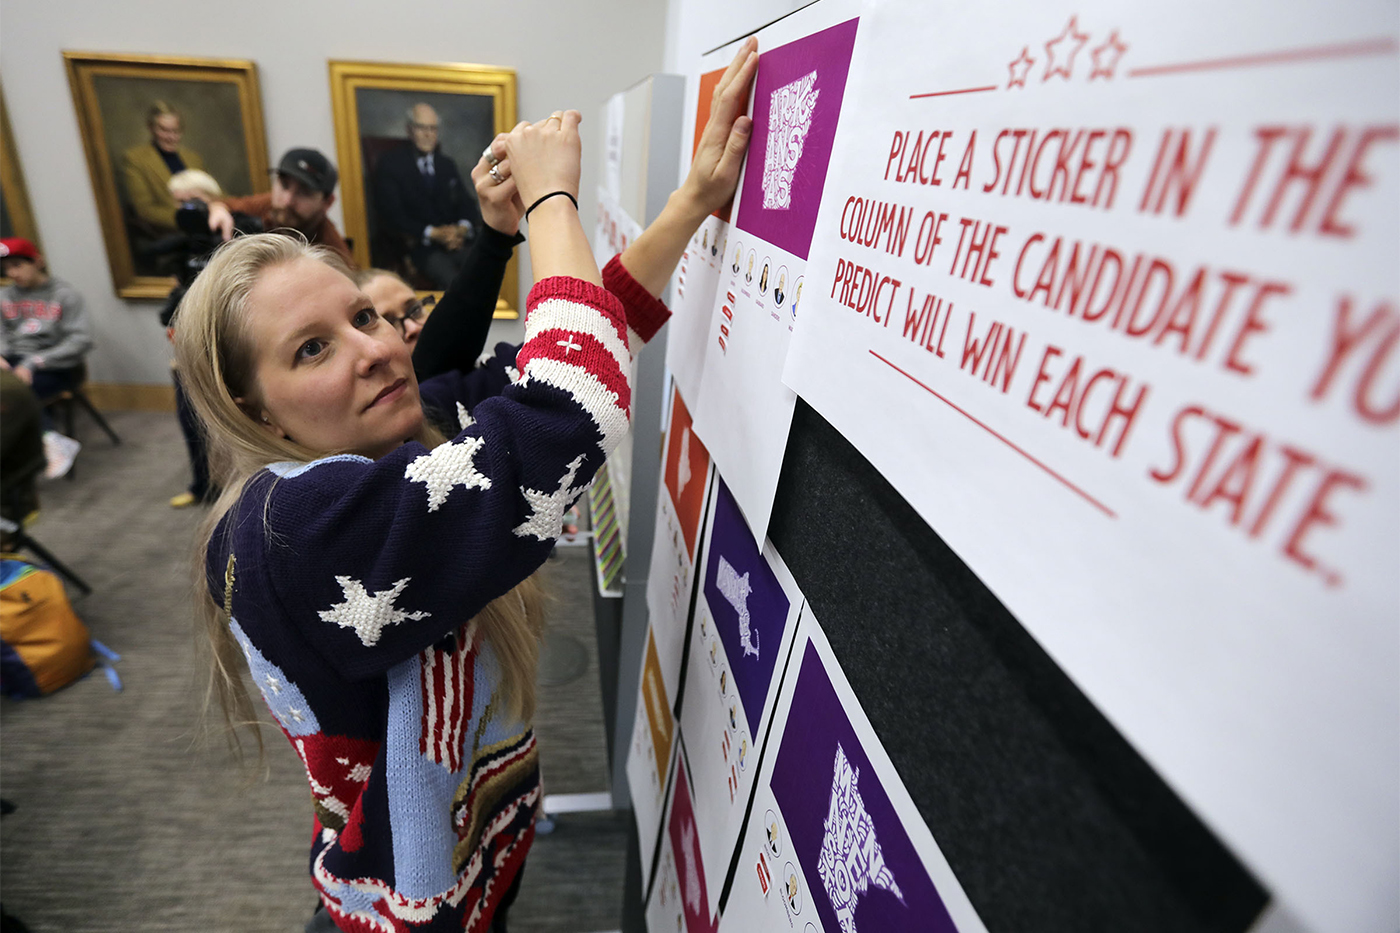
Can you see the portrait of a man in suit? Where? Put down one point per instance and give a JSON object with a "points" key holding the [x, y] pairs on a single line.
{"points": [[422, 203]]}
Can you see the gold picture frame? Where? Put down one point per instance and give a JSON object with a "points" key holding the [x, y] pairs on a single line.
{"points": [[221, 125], [369, 101], [16, 216]]}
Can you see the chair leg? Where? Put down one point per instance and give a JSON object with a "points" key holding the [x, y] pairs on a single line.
{"points": [[83, 400], [22, 540]]}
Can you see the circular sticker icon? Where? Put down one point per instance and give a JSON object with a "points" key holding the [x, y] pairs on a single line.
{"points": [[792, 889], [748, 269], [796, 295], [773, 835], [763, 276], [733, 714], [738, 257], [743, 752], [724, 685], [780, 288]]}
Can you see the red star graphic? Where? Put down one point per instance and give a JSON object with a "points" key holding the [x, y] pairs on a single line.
{"points": [[1020, 68], [1106, 56], [1069, 35]]}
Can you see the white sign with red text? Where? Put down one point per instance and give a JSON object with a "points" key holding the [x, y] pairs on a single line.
{"points": [[1111, 295]]}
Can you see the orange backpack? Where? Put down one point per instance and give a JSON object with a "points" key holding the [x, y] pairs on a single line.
{"points": [[43, 643]]}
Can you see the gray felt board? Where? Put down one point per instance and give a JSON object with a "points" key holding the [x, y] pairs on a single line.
{"points": [[1048, 816]]}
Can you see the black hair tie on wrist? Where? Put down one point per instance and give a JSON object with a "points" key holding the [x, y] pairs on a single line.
{"points": [[547, 197]]}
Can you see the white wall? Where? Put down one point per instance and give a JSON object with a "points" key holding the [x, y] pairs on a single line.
{"points": [[693, 27], [567, 54]]}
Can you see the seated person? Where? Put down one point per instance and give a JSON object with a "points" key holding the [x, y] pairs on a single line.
{"points": [[421, 202], [303, 190], [21, 446], [43, 336]]}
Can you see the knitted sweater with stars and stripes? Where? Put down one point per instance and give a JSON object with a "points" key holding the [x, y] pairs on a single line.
{"points": [[352, 582]]}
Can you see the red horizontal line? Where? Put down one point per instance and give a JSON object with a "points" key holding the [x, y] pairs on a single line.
{"points": [[1073, 488], [1343, 50], [966, 90]]}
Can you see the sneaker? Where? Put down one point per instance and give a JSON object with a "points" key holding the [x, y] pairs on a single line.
{"points": [[60, 451], [183, 501]]}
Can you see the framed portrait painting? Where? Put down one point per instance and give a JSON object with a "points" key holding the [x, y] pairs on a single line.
{"points": [[145, 117], [16, 216], [407, 139]]}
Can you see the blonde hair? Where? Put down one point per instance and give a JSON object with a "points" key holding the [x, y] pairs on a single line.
{"points": [[363, 277], [194, 179], [160, 108], [215, 355]]}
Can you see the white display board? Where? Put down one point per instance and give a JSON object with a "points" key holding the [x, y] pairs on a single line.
{"points": [[745, 621], [692, 305], [681, 508], [1109, 294], [683, 892], [743, 410]]}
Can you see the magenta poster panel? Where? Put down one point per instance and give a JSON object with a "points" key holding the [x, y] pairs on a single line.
{"points": [[797, 103]]}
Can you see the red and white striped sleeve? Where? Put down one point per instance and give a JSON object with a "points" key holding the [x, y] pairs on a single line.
{"points": [[576, 340], [645, 312]]}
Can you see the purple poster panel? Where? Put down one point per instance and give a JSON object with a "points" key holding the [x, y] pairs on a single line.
{"points": [[796, 104], [747, 603], [844, 831]]}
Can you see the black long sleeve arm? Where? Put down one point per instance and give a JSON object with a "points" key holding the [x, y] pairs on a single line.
{"points": [[455, 333]]}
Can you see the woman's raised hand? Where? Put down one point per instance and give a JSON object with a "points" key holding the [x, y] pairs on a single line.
{"points": [[501, 207], [544, 157], [714, 172]]}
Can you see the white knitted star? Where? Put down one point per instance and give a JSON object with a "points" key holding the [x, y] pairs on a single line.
{"points": [[368, 614], [464, 417], [546, 521], [448, 465]]}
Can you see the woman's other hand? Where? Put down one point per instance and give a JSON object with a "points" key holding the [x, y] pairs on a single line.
{"points": [[501, 207]]}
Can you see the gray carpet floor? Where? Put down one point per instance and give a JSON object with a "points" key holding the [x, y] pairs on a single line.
{"points": [[128, 821]]}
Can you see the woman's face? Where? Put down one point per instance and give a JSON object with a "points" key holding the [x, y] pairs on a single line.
{"points": [[395, 301], [330, 374]]}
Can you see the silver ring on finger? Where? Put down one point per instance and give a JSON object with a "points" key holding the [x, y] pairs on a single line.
{"points": [[490, 157], [496, 174]]}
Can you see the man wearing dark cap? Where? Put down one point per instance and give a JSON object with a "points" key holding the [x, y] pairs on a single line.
{"points": [[303, 190]]}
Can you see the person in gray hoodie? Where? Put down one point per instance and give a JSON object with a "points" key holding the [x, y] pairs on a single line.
{"points": [[44, 332], [44, 335]]}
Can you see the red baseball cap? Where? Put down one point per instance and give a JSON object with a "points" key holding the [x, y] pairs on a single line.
{"points": [[15, 247]]}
